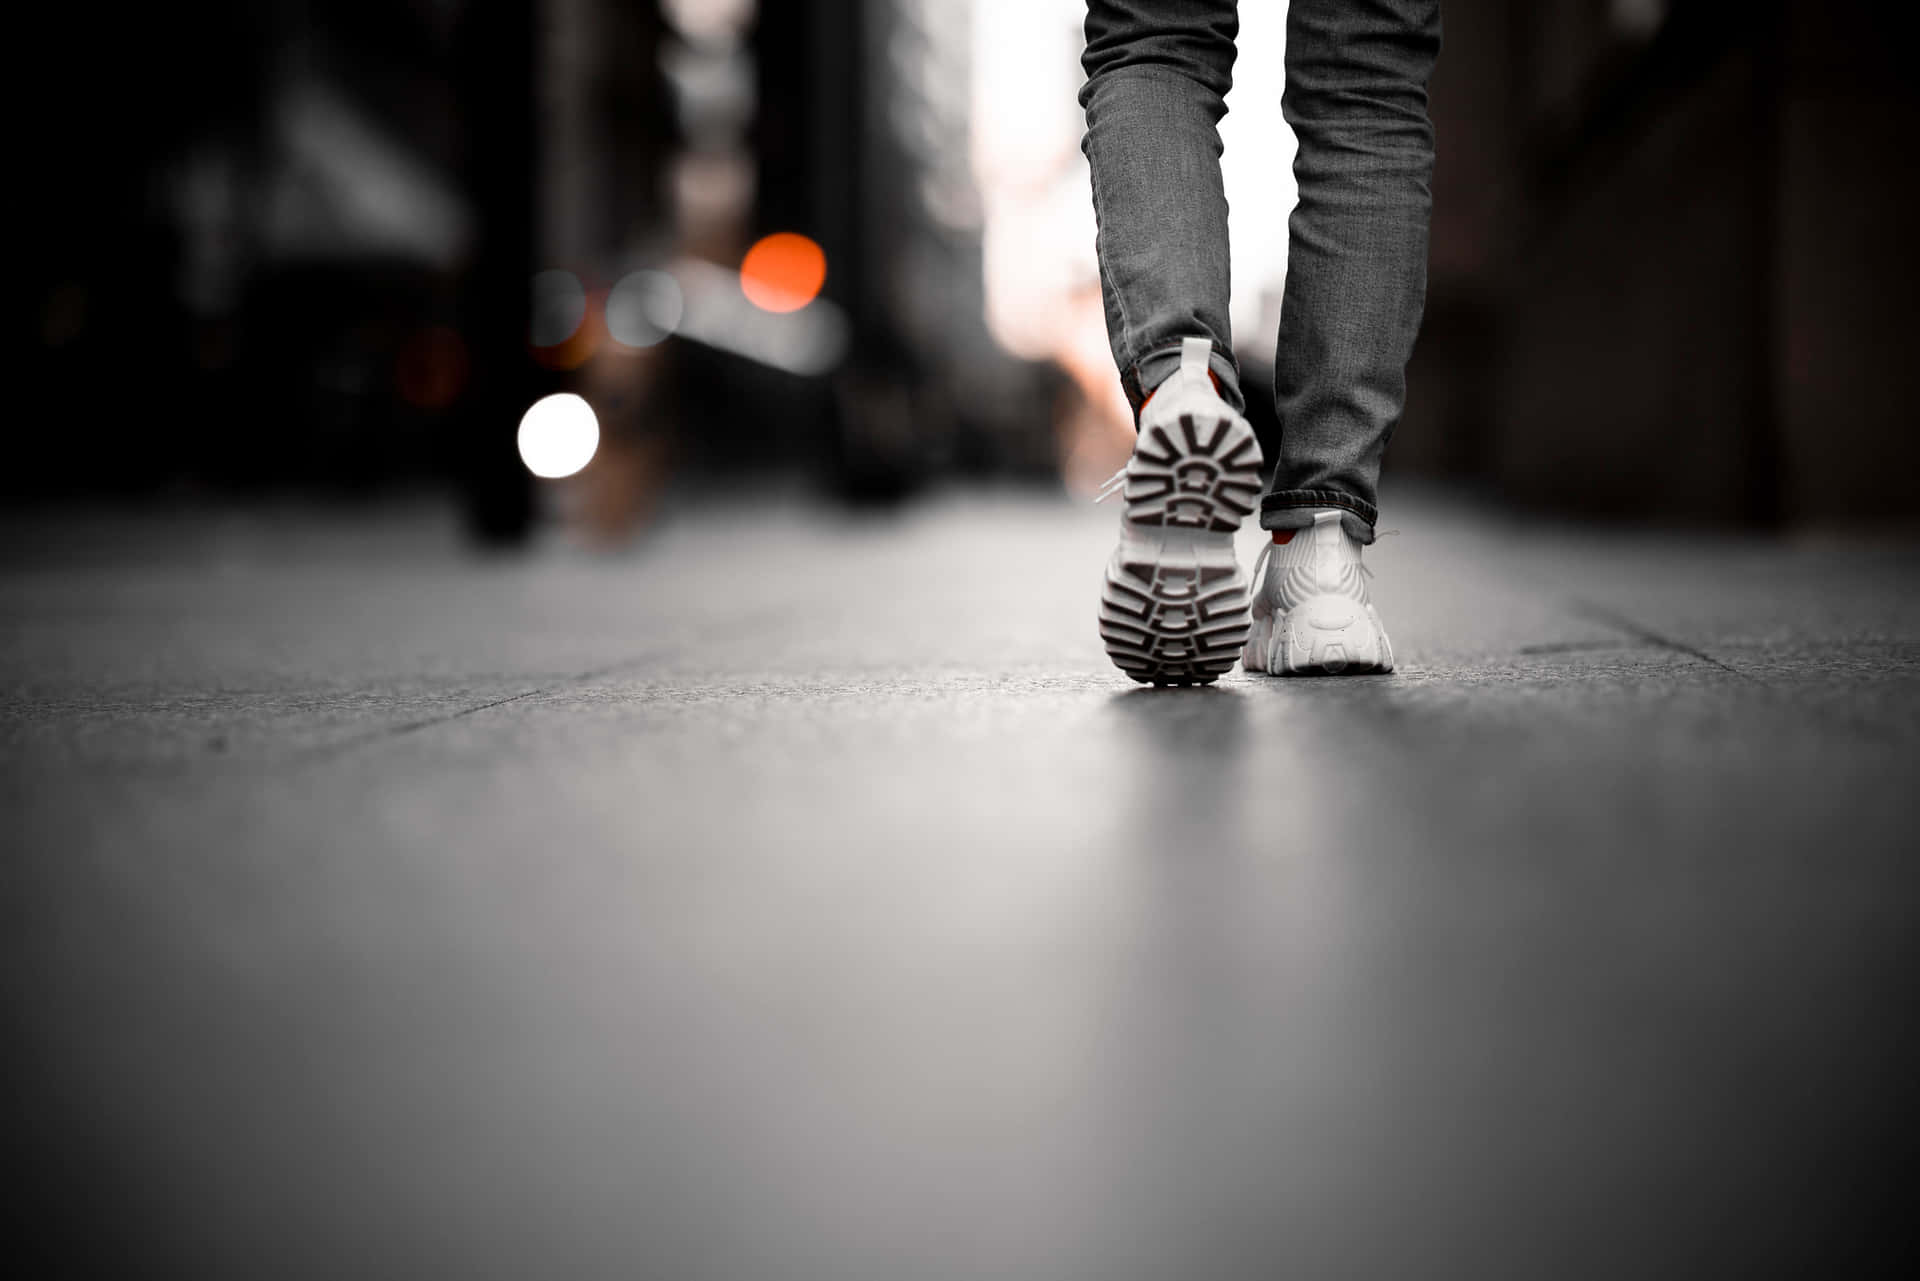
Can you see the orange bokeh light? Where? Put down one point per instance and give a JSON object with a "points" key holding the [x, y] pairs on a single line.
{"points": [[783, 272]]}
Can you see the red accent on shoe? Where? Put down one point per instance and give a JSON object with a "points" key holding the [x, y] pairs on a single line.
{"points": [[1218, 390], [1282, 537]]}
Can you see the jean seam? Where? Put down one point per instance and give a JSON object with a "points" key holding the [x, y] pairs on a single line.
{"points": [[1099, 241], [1286, 499]]}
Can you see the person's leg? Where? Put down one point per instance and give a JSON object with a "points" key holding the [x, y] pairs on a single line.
{"points": [[1157, 78], [1173, 606], [1356, 97], [1356, 284]]}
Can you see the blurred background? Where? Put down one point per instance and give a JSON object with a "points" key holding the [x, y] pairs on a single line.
{"points": [[340, 248]]}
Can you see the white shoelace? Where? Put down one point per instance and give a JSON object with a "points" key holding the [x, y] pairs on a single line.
{"points": [[1112, 485], [1258, 580]]}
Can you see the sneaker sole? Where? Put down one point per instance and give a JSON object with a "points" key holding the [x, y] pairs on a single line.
{"points": [[1173, 610]]}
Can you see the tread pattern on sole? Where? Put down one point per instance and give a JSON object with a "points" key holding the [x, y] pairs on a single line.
{"points": [[1168, 615], [1173, 625], [1197, 475]]}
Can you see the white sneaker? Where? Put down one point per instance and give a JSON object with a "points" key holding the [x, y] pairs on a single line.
{"points": [[1311, 612], [1174, 608]]}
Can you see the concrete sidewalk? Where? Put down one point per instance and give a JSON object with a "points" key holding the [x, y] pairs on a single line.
{"points": [[797, 896]]}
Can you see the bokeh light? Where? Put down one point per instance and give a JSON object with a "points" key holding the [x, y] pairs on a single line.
{"points": [[644, 308], [783, 272], [710, 22], [559, 305], [586, 339], [558, 435]]}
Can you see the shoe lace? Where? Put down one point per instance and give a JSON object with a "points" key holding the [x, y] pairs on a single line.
{"points": [[1112, 485]]}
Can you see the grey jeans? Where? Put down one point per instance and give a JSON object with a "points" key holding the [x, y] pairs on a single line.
{"points": [[1356, 97]]}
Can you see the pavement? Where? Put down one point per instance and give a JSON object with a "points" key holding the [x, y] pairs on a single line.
{"points": [[800, 895]]}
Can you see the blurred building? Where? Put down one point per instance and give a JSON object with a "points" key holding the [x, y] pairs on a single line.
{"points": [[1671, 259], [274, 247], [343, 246]]}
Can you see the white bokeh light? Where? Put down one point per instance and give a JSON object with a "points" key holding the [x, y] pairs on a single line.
{"points": [[644, 308], [710, 22], [558, 435]]}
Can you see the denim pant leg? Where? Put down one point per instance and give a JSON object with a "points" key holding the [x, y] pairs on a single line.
{"points": [[1356, 97], [1157, 78]]}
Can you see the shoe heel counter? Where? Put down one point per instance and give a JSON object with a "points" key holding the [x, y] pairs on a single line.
{"points": [[1196, 357]]}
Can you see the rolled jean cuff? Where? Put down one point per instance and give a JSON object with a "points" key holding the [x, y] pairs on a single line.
{"points": [[1154, 368], [1294, 509]]}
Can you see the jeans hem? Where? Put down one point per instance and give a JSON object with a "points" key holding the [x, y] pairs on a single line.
{"points": [[1294, 509], [1144, 374]]}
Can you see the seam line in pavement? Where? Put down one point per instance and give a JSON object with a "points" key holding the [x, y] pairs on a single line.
{"points": [[388, 733], [428, 722], [1601, 614]]}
